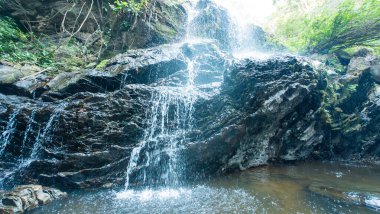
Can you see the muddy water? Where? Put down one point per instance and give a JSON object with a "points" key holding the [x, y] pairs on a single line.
{"points": [[297, 188]]}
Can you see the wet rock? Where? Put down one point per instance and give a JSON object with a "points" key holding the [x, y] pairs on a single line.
{"points": [[274, 110], [351, 196], [213, 22], [266, 111], [375, 71], [351, 115], [142, 66], [82, 142], [20, 80], [84, 139], [27, 197]]}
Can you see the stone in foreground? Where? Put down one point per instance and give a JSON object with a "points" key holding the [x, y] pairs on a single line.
{"points": [[27, 197]]}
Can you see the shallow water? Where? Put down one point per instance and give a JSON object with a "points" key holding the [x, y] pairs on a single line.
{"points": [[299, 188]]}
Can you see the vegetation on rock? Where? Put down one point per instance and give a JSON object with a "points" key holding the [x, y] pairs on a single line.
{"points": [[17, 46], [73, 35]]}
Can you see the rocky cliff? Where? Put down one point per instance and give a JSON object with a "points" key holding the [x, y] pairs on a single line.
{"points": [[79, 130]]}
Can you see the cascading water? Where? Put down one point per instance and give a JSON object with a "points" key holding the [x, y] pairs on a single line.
{"points": [[6, 135], [31, 144], [245, 21], [27, 139], [155, 160], [45, 136]]}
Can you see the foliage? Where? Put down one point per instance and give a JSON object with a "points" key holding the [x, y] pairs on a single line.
{"points": [[327, 25], [16, 46], [26, 48], [134, 6], [102, 64]]}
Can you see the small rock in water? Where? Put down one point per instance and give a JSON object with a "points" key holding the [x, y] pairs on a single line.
{"points": [[373, 202], [361, 198], [26, 197], [339, 174]]}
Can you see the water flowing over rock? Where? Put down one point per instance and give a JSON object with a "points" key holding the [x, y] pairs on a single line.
{"points": [[86, 140], [264, 111], [180, 111]]}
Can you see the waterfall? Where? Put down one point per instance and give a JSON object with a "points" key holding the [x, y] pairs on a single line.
{"points": [[246, 19], [155, 160], [7, 134], [43, 136], [27, 134]]}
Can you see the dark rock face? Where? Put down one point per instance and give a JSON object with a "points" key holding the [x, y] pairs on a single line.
{"points": [[267, 111], [355, 135], [274, 110], [27, 197], [85, 140]]}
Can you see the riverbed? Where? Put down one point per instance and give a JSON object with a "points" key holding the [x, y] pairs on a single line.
{"points": [[317, 187]]}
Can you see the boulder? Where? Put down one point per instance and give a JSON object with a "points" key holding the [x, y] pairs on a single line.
{"points": [[21, 80], [267, 111], [368, 199], [359, 64], [27, 197]]}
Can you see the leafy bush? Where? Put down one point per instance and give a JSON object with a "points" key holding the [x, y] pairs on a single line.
{"points": [[329, 26], [134, 6], [17, 46]]}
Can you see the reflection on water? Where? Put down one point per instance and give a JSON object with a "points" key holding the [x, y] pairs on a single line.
{"points": [[299, 188]]}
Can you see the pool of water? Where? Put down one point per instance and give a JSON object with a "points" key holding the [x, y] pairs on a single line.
{"points": [[297, 188]]}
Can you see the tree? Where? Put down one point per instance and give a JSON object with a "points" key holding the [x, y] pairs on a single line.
{"points": [[327, 25]]}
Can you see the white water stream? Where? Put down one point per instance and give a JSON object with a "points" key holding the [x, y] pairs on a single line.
{"points": [[156, 159]]}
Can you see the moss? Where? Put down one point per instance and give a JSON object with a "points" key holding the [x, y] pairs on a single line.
{"points": [[102, 65], [334, 62], [166, 31], [325, 115]]}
